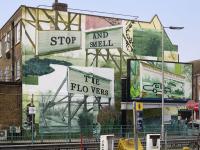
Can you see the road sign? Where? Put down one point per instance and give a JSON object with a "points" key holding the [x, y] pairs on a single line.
{"points": [[139, 106], [32, 110]]}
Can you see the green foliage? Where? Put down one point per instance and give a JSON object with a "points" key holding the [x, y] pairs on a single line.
{"points": [[117, 87], [148, 43], [32, 80], [85, 121], [38, 67], [108, 64], [108, 116], [135, 92], [151, 113]]}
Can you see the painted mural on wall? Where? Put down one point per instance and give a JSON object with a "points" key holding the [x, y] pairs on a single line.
{"points": [[143, 39], [146, 81], [56, 47], [77, 90], [55, 71], [147, 42]]}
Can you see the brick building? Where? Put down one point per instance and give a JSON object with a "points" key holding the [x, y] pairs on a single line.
{"points": [[10, 72], [196, 80]]}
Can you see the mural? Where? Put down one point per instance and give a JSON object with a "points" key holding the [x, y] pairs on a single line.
{"points": [[146, 81], [66, 87], [147, 42], [72, 66], [77, 90]]}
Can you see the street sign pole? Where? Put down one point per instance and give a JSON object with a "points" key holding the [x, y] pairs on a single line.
{"points": [[32, 111], [135, 127], [32, 129]]}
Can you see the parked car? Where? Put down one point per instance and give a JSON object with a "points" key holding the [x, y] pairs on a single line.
{"points": [[193, 127]]}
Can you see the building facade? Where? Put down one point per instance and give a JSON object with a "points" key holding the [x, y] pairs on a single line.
{"points": [[40, 48]]}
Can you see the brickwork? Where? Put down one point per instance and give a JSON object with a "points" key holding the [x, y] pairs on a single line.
{"points": [[10, 49], [10, 104]]}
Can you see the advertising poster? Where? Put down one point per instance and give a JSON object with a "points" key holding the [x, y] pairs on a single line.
{"points": [[146, 81]]}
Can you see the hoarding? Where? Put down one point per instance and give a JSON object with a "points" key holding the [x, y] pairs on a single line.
{"points": [[145, 81], [58, 41], [104, 38]]}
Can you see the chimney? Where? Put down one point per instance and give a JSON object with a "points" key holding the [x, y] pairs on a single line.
{"points": [[59, 6]]}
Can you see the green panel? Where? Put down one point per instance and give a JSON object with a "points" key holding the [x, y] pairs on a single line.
{"points": [[32, 80], [148, 43]]}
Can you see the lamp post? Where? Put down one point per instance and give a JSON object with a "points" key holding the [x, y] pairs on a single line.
{"points": [[162, 49]]}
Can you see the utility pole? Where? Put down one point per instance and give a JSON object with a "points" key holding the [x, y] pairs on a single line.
{"points": [[56, 16], [135, 127]]}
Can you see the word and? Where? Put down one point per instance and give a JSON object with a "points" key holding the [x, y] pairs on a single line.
{"points": [[101, 40]]}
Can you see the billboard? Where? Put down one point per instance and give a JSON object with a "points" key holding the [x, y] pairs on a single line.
{"points": [[145, 81]]}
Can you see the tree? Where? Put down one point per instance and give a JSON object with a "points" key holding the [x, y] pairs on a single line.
{"points": [[85, 122]]}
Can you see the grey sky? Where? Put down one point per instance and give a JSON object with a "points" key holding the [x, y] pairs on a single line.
{"points": [[171, 13]]}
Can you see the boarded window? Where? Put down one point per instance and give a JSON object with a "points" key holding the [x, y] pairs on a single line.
{"points": [[17, 70], [17, 32], [8, 40], [1, 75], [7, 73], [0, 50]]}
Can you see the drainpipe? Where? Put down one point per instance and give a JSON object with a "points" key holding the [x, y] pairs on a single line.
{"points": [[13, 50]]}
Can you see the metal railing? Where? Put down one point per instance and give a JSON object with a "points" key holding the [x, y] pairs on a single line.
{"points": [[91, 133]]}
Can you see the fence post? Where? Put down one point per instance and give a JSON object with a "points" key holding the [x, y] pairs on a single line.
{"points": [[32, 130], [12, 135], [165, 146], [42, 138]]}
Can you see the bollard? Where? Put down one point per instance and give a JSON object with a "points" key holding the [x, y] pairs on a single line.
{"points": [[186, 148]]}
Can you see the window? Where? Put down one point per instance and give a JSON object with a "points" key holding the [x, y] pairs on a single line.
{"points": [[3, 45], [17, 33], [1, 75], [8, 40], [6, 75], [17, 70], [0, 51]]}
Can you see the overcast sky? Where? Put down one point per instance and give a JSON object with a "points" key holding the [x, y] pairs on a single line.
{"points": [[171, 13]]}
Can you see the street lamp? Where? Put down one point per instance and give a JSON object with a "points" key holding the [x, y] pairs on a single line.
{"points": [[162, 49]]}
